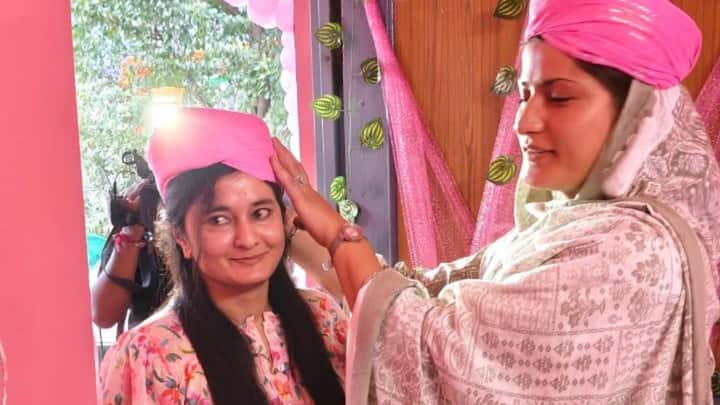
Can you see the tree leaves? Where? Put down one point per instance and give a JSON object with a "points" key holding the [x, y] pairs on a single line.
{"points": [[222, 60]]}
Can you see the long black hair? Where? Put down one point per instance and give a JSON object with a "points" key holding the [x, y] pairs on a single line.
{"points": [[223, 351]]}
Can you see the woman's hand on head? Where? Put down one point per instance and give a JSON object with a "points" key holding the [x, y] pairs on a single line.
{"points": [[314, 214]]}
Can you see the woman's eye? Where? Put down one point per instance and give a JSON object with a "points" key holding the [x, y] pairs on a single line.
{"points": [[556, 98], [262, 213], [218, 220]]}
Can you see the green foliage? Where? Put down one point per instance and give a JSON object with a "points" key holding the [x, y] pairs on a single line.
{"points": [[125, 48]]}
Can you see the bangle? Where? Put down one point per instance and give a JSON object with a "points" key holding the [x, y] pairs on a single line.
{"points": [[121, 240], [129, 285]]}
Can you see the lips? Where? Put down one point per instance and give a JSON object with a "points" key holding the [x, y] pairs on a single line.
{"points": [[535, 153], [249, 259]]}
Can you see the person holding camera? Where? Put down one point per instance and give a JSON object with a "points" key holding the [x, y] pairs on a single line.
{"points": [[131, 276]]}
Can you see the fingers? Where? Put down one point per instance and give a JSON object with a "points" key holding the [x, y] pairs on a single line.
{"points": [[134, 190], [287, 160], [284, 177]]}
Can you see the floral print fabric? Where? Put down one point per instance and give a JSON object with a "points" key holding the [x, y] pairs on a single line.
{"points": [[156, 364]]}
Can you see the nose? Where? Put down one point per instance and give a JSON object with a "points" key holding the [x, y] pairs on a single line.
{"points": [[530, 118], [245, 235]]}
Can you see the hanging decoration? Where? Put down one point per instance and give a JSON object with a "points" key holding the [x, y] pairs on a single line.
{"points": [[348, 210], [330, 35], [370, 71], [337, 189], [328, 107], [510, 9], [372, 135], [502, 170], [505, 81]]}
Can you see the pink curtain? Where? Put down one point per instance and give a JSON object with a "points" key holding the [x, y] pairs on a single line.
{"points": [[439, 224], [495, 217], [708, 105]]}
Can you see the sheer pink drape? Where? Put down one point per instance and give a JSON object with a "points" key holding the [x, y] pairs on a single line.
{"points": [[438, 222]]}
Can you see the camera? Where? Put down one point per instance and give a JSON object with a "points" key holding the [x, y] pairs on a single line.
{"points": [[120, 214]]}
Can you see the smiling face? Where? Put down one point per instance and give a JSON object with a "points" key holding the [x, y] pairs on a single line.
{"points": [[238, 239], [565, 117]]}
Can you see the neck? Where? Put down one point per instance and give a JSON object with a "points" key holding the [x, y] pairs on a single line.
{"points": [[239, 304]]}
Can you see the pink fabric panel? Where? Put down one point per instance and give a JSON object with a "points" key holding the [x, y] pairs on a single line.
{"points": [[45, 322]]}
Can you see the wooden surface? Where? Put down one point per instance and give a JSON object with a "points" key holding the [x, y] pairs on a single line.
{"points": [[451, 50]]}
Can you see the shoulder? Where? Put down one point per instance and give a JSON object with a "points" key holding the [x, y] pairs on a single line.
{"points": [[611, 235], [159, 336], [612, 221], [331, 319]]}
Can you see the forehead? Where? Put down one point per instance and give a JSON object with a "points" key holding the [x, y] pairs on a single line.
{"points": [[239, 188], [541, 61]]}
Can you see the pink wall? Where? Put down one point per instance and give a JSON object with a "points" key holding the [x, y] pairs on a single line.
{"points": [[45, 323], [304, 77]]}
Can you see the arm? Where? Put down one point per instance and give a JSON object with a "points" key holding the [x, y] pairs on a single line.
{"points": [[435, 279], [110, 301], [354, 262], [311, 256]]}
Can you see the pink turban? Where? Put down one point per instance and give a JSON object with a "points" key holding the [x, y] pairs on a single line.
{"points": [[651, 40], [200, 137]]}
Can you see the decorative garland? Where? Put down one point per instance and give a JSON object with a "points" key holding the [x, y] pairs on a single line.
{"points": [[330, 107]]}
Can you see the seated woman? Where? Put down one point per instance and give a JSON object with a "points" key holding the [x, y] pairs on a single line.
{"points": [[605, 290], [237, 331]]}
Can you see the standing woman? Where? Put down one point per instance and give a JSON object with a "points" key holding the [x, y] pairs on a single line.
{"points": [[238, 331], [605, 290]]}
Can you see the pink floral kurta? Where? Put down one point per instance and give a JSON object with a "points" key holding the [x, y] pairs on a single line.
{"points": [[155, 362]]}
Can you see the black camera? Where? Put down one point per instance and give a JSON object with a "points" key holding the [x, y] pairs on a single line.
{"points": [[120, 214]]}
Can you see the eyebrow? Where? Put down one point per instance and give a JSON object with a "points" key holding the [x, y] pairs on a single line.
{"points": [[225, 208], [548, 82]]}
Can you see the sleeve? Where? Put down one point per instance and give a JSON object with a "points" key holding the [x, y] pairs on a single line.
{"points": [[590, 316], [434, 279], [137, 372]]}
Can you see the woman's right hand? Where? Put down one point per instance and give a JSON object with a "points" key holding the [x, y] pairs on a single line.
{"points": [[314, 214], [132, 195]]}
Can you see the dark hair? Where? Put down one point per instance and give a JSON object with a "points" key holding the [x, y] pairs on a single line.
{"points": [[223, 351], [615, 81]]}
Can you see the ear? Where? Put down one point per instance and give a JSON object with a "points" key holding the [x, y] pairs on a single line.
{"points": [[183, 242]]}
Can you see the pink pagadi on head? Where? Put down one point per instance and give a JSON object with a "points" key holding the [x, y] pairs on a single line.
{"points": [[653, 41], [200, 137]]}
